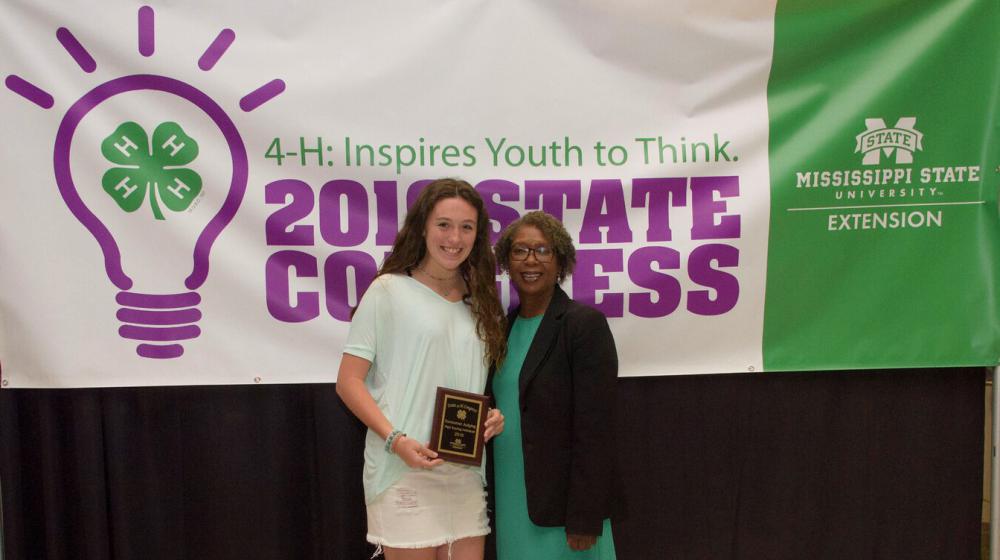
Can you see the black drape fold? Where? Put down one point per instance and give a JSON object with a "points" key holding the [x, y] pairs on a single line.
{"points": [[839, 466], [819, 465]]}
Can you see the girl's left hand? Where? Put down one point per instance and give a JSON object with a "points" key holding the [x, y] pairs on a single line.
{"points": [[494, 423]]}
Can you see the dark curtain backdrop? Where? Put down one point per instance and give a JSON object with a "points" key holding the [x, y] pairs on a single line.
{"points": [[845, 466]]}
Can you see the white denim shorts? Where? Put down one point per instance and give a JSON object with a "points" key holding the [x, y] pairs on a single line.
{"points": [[429, 508]]}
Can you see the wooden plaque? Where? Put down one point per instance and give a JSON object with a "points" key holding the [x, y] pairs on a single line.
{"points": [[459, 426]]}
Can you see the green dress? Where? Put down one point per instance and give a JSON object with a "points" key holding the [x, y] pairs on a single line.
{"points": [[517, 537]]}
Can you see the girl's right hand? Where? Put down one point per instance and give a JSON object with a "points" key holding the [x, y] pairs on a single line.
{"points": [[415, 454]]}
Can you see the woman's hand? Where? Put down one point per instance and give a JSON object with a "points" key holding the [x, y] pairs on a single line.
{"points": [[494, 424], [415, 454], [580, 542]]}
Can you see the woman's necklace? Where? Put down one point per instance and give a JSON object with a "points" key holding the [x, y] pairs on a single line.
{"points": [[444, 286]]}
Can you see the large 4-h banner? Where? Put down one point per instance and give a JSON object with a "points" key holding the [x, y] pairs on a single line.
{"points": [[197, 192]]}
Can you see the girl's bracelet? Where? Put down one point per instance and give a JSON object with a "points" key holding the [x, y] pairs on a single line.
{"points": [[392, 437]]}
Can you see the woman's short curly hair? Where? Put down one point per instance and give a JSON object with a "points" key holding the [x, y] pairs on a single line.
{"points": [[553, 231]]}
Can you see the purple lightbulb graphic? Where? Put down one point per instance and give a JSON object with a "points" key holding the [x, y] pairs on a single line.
{"points": [[160, 322]]}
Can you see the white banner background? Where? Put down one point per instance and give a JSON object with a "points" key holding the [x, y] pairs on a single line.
{"points": [[451, 73]]}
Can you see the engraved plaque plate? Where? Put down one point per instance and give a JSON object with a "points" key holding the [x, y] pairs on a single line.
{"points": [[459, 425]]}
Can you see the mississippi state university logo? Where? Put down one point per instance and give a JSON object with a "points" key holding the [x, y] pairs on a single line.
{"points": [[877, 139], [154, 168]]}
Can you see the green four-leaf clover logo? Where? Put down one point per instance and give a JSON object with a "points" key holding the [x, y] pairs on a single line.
{"points": [[159, 172]]}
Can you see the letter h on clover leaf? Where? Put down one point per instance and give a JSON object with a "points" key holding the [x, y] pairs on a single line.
{"points": [[159, 171]]}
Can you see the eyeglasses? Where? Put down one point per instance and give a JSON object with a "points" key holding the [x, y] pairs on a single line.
{"points": [[520, 253]]}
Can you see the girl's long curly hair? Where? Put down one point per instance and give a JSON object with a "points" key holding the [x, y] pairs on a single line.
{"points": [[478, 270]]}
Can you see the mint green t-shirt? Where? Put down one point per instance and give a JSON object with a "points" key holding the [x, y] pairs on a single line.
{"points": [[416, 341]]}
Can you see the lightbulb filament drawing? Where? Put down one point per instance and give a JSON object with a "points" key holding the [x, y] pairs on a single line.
{"points": [[160, 322]]}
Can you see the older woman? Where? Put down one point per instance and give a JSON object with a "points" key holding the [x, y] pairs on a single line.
{"points": [[554, 462]]}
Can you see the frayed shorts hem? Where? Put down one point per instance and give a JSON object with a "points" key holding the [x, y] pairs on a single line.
{"points": [[431, 543]]}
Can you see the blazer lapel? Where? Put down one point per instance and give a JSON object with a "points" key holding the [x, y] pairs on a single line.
{"points": [[545, 339]]}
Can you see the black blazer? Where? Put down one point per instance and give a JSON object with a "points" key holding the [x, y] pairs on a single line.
{"points": [[568, 400]]}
